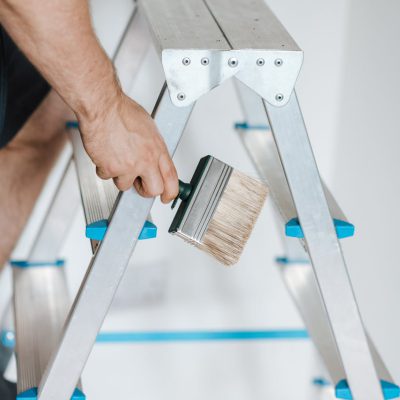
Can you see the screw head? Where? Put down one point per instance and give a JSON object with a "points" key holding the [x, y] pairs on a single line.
{"points": [[205, 61], [181, 96], [278, 62], [233, 62], [279, 97], [186, 61], [260, 62]]}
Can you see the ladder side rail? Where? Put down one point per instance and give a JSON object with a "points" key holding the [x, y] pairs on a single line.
{"points": [[106, 270], [259, 143], [324, 249]]}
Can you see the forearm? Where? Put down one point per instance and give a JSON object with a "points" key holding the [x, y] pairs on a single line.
{"points": [[58, 38]]}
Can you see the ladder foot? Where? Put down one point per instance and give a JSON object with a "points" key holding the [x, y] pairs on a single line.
{"points": [[344, 229], [389, 389], [32, 394], [97, 230]]}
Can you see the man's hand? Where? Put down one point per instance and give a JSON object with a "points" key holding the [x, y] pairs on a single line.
{"points": [[119, 136], [125, 145]]}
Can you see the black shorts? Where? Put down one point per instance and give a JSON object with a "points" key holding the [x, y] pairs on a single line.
{"points": [[22, 89]]}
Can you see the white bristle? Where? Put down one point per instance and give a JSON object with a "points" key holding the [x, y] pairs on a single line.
{"points": [[234, 218]]}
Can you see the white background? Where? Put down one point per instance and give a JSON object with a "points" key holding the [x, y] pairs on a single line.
{"points": [[348, 93]]}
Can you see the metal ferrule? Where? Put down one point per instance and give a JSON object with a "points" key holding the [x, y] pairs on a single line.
{"points": [[194, 215]]}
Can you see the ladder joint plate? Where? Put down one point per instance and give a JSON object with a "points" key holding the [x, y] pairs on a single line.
{"points": [[204, 42]]}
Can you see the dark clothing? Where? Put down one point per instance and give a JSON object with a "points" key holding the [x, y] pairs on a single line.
{"points": [[22, 89], [8, 390]]}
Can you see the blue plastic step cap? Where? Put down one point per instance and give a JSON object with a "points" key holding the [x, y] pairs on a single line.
{"points": [[32, 394], [246, 126], [389, 389], [36, 264], [321, 381], [7, 339], [344, 229], [97, 230]]}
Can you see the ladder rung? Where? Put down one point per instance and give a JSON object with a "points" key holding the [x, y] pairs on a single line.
{"points": [[41, 304], [389, 389], [344, 229], [97, 230], [98, 195], [32, 394]]}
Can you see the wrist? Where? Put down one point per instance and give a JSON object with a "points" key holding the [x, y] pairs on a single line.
{"points": [[99, 97]]}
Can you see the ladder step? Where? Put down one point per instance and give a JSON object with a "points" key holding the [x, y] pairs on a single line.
{"points": [[389, 389], [344, 229], [98, 195], [41, 304], [32, 394], [97, 230]]}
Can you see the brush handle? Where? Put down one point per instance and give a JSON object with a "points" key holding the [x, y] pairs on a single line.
{"points": [[184, 192]]}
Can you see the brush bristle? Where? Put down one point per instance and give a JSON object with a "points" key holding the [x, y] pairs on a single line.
{"points": [[234, 218]]}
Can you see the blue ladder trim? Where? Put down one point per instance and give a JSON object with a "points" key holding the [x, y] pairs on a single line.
{"points": [[97, 230], [32, 394], [193, 336], [320, 381], [7, 339], [36, 264], [72, 125], [288, 261], [389, 389], [246, 126], [344, 229], [200, 336]]}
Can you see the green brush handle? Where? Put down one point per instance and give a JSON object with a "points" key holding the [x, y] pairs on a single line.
{"points": [[184, 192]]}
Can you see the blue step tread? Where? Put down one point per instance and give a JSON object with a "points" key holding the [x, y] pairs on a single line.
{"points": [[246, 126], [344, 229], [97, 230], [29, 264], [389, 389], [32, 394]]}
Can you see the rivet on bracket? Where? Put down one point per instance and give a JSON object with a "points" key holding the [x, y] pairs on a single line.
{"points": [[233, 62], [279, 97], [186, 61], [181, 96], [278, 62], [205, 61], [260, 62]]}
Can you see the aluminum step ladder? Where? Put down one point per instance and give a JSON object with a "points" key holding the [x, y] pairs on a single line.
{"points": [[201, 43]]}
